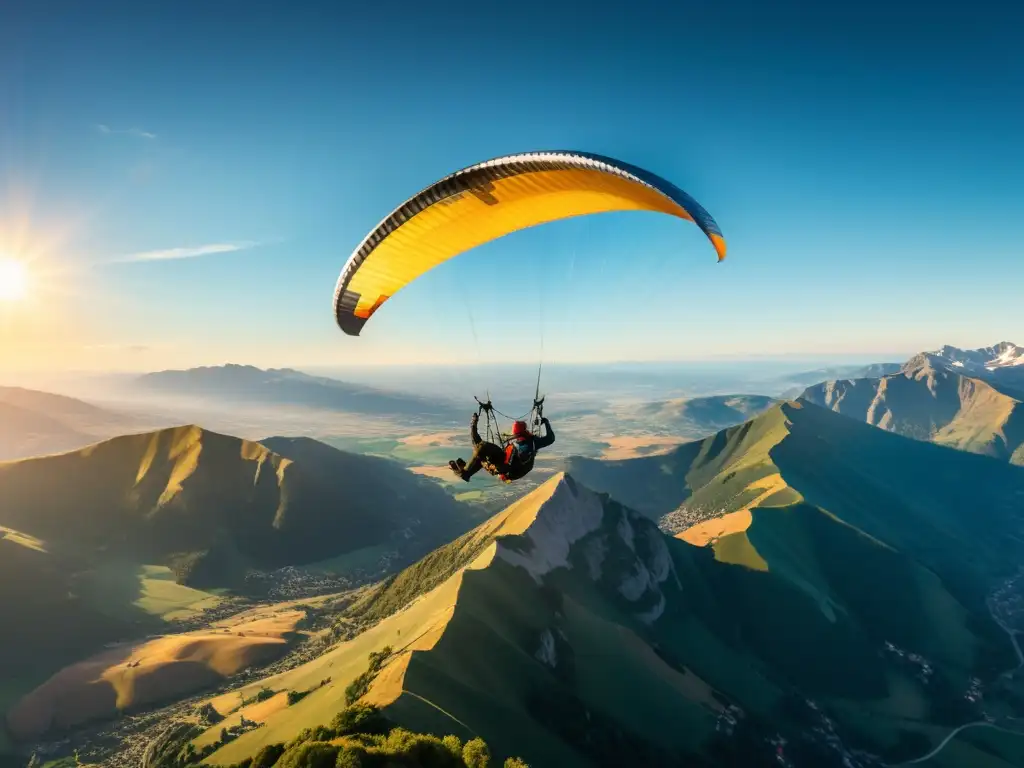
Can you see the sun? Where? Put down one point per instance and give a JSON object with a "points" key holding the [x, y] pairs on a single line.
{"points": [[13, 280]]}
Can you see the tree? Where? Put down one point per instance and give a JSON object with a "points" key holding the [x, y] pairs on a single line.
{"points": [[316, 754], [515, 762], [351, 757], [476, 754], [268, 756], [453, 744], [360, 718]]}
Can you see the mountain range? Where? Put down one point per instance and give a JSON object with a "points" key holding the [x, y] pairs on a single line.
{"points": [[97, 522], [214, 505], [967, 399], [1002, 362], [793, 384], [827, 608], [802, 588], [283, 386]]}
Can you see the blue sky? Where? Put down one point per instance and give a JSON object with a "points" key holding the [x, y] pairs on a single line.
{"points": [[863, 162]]}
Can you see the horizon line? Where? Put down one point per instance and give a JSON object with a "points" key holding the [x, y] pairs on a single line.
{"points": [[791, 357]]}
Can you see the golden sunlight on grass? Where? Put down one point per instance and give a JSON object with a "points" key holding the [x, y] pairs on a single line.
{"points": [[13, 280]]}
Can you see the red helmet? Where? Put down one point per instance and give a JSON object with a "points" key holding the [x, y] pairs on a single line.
{"points": [[519, 429]]}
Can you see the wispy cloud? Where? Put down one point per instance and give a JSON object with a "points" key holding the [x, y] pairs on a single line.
{"points": [[134, 349], [193, 252], [137, 132]]}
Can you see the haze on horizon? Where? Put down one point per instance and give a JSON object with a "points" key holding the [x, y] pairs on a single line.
{"points": [[188, 204]]}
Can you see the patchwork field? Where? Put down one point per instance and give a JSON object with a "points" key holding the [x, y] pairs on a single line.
{"points": [[122, 587], [155, 670], [631, 446]]}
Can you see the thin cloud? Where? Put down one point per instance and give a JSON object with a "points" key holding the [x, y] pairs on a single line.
{"points": [[168, 254], [134, 349], [136, 132]]}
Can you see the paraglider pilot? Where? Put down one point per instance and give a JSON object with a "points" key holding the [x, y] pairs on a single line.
{"points": [[510, 463]]}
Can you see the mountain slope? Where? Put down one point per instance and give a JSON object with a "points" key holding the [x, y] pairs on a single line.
{"points": [[932, 399], [244, 383], [908, 493], [82, 535], [34, 423], [736, 457], [132, 676], [60, 406], [570, 630], [211, 505], [38, 604], [26, 433]]}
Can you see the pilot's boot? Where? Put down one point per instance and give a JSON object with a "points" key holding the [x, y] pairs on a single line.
{"points": [[458, 467]]}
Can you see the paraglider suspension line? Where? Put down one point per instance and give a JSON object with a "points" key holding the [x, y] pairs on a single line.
{"points": [[533, 416], [536, 412]]}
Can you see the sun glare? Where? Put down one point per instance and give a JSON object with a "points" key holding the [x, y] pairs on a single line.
{"points": [[13, 280]]}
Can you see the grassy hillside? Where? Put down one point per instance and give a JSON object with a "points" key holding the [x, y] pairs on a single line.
{"points": [[465, 653], [928, 401], [956, 514], [722, 472], [133, 675], [37, 607], [570, 630], [136, 529], [882, 483], [210, 505], [883, 644]]}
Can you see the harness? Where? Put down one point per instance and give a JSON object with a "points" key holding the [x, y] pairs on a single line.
{"points": [[521, 451], [518, 453], [519, 456]]}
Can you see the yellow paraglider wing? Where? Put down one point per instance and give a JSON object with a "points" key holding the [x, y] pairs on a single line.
{"points": [[490, 200]]}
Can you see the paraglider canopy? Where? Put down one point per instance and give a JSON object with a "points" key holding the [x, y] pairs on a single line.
{"points": [[489, 200]]}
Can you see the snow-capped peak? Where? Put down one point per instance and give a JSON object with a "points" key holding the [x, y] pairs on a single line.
{"points": [[1002, 363], [1009, 355], [1002, 355]]}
